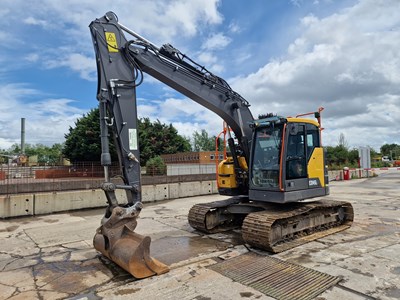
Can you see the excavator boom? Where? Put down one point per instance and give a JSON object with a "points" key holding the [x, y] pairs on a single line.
{"points": [[116, 93], [120, 66]]}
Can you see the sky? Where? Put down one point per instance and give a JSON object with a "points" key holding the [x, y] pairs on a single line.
{"points": [[284, 56]]}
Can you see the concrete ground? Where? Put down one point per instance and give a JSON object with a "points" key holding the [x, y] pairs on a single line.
{"points": [[52, 257]]}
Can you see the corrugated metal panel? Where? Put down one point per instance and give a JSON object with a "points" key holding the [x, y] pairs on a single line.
{"points": [[275, 277]]}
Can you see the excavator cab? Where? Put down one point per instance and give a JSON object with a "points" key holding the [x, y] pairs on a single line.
{"points": [[287, 161]]}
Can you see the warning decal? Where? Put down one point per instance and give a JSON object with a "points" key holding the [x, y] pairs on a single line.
{"points": [[111, 42]]}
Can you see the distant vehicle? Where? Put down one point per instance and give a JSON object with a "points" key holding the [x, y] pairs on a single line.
{"points": [[386, 158]]}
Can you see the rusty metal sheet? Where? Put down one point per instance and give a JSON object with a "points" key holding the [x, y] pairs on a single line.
{"points": [[276, 278]]}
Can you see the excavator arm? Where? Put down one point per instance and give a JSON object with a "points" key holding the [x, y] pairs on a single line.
{"points": [[120, 65], [168, 65]]}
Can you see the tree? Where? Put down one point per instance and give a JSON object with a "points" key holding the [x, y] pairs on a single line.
{"points": [[391, 150], [373, 152], [342, 141], [202, 142], [337, 155], [330, 155], [15, 149], [83, 141], [353, 157], [45, 154], [156, 139]]}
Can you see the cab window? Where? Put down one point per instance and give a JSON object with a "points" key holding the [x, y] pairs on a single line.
{"points": [[296, 164], [313, 140], [266, 157]]}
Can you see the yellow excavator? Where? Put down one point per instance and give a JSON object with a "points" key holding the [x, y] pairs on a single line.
{"points": [[275, 174]]}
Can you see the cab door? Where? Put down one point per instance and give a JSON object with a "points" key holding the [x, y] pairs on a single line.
{"points": [[296, 174]]}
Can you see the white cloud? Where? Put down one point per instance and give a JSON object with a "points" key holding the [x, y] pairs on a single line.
{"points": [[46, 120], [32, 21], [297, 3], [216, 41], [161, 20], [207, 58], [234, 28], [184, 114], [33, 57], [82, 64], [189, 13], [211, 62], [347, 62]]}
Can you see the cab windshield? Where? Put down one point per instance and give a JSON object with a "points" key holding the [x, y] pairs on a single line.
{"points": [[266, 157]]}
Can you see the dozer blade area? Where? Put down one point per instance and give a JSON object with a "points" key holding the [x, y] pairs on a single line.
{"points": [[116, 239]]}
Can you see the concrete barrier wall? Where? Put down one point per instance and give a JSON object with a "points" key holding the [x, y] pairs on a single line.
{"points": [[50, 202], [18, 205], [46, 203]]}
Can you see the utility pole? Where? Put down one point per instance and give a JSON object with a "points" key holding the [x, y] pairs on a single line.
{"points": [[22, 135]]}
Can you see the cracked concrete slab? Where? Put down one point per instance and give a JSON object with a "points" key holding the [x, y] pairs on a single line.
{"points": [[52, 257], [62, 233]]}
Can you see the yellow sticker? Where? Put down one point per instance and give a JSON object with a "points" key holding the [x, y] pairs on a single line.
{"points": [[111, 42]]}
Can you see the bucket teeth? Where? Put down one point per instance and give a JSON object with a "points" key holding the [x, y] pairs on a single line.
{"points": [[116, 240]]}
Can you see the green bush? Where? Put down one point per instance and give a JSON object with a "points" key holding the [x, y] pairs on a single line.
{"points": [[156, 166], [380, 164]]}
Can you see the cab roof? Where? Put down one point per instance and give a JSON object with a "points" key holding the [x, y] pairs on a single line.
{"points": [[280, 120]]}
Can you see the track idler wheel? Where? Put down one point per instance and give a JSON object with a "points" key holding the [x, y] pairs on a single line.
{"points": [[116, 239]]}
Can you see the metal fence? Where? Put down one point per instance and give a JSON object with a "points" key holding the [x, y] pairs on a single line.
{"points": [[87, 175], [20, 179], [90, 175]]}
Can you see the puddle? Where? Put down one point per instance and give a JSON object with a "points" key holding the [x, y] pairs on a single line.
{"points": [[396, 270], [87, 296], [123, 292], [10, 228], [302, 259], [171, 250], [163, 211], [394, 293], [378, 229], [66, 276], [246, 294], [233, 237], [387, 220], [51, 221]]}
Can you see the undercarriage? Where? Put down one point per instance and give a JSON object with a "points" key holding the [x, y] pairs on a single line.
{"points": [[273, 227]]}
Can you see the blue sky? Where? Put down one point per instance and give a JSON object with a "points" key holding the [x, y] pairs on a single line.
{"points": [[283, 56]]}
